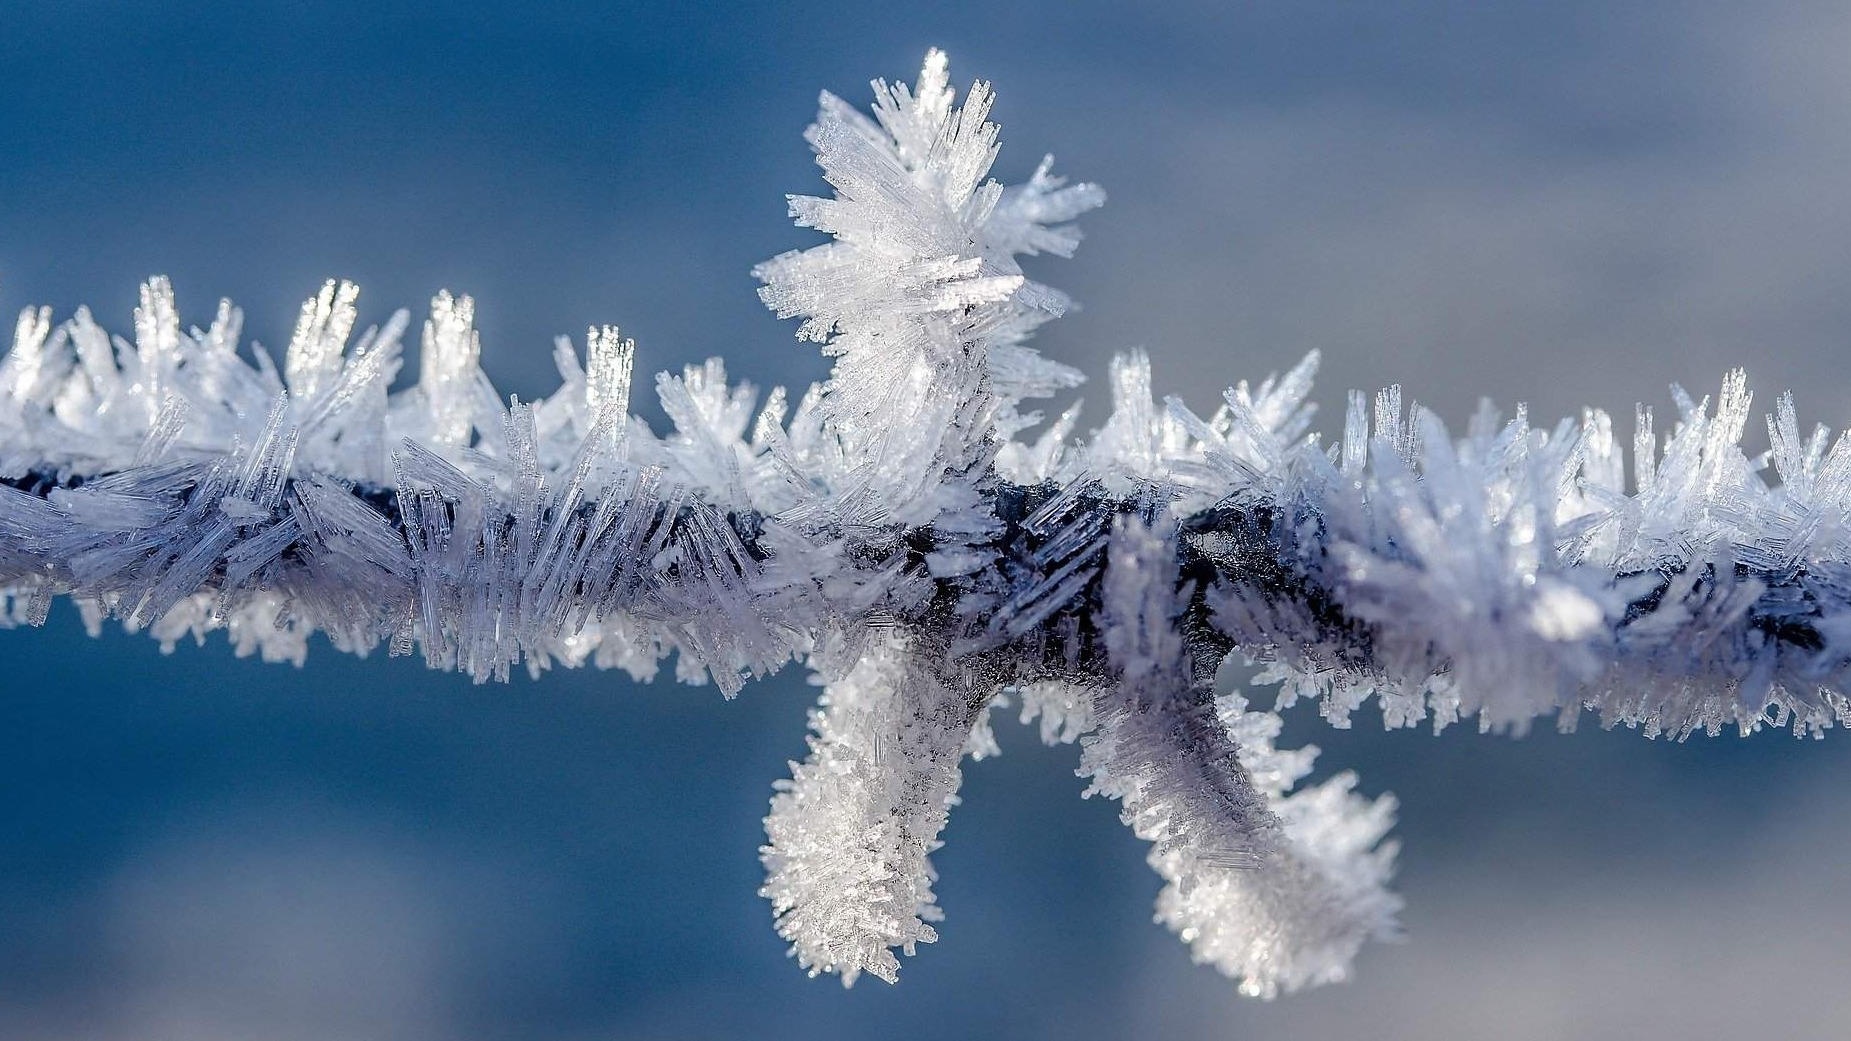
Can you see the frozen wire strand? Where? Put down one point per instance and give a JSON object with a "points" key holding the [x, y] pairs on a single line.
{"points": [[1238, 563]]}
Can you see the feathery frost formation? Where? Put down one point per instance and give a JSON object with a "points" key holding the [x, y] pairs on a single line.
{"points": [[899, 532]]}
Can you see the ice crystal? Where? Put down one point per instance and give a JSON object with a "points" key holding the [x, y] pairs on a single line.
{"points": [[899, 531]]}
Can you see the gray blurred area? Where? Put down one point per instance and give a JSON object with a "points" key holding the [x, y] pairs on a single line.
{"points": [[1566, 205]]}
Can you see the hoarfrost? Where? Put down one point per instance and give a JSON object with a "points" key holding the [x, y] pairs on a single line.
{"points": [[897, 532]]}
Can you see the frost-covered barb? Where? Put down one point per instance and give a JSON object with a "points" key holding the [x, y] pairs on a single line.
{"points": [[897, 532]]}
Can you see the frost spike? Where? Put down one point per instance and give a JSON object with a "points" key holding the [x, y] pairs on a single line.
{"points": [[847, 866]]}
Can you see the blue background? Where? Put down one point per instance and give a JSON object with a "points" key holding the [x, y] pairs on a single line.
{"points": [[1567, 206]]}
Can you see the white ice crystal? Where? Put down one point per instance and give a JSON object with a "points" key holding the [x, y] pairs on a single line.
{"points": [[1277, 890], [847, 871], [900, 532]]}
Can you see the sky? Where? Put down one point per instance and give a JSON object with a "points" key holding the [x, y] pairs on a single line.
{"points": [[1567, 205]]}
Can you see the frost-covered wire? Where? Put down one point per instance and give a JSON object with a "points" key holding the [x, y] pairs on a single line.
{"points": [[921, 539]]}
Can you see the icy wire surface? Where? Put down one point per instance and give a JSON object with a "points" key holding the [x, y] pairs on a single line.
{"points": [[891, 532]]}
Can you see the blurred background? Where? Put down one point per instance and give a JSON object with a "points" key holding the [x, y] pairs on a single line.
{"points": [[1567, 204]]}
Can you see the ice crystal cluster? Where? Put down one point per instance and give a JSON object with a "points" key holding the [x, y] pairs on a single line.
{"points": [[917, 536]]}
